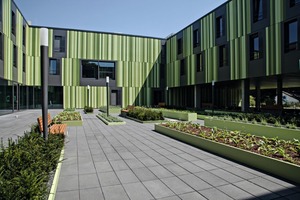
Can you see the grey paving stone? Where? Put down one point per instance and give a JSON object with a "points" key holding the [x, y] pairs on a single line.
{"points": [[127, 176], [235, 192], [139, 154], [204, 165], [217, 163], [88, 181], [177, 185], [190, 167], [293, 196], [127, 155], [192, 196], [134, 163], [211, 178], [137, 191], [194, 182], [188, 157], [240, 172], [175, 158], [103, 166], [91, 194], [176, 169], [158, 189], [67, 183], [148, 162], [161, 172], [113, 156], [108, 179], [99, 158], [162, 160], [115, 192], [144, 174], [256, 190], [86, 168], [119, 165], [213, 193], [170, 198], [231, 178], [67, 195]]}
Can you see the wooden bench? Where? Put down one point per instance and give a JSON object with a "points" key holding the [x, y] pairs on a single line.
{"points": [[53, 128], [161, 104], [125, 111]]}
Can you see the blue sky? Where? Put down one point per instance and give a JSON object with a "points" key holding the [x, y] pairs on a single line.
{"points": [[157, 18]]}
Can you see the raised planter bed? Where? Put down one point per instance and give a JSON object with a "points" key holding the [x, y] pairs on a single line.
{"points": [[73, 123], [112, 109], [256, 129], [110, 123], [273, 166], [144, 122], [180, 115], [69, 118]]}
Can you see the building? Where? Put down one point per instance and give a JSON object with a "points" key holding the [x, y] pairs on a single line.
{"points": [[242, 48]]}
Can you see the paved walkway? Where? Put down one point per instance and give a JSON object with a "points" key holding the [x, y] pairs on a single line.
{"points": [[134, 162]]}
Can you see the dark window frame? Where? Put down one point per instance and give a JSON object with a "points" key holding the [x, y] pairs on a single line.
{"points": [[1, 10], [290, 46], [1, 46], [258, 11], [24, 35], [13, 23], [24, 62], [57, 68], [196, 38], [179, 46], [182, 67], [15, 56], [223, 59], [220, 27], [256, 50], [97, 70], [294, 3], [61, 47], [200, 62]]}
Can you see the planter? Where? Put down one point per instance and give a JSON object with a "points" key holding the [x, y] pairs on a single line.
{"points": [[255, 129], [56, 177], [276, 167], [144, 122], [183, 116], [202, 117], [124, 113], [73, 123], [110, 123], [116, 110]]}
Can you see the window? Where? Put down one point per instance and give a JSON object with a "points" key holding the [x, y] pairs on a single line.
{"points": [[196, 39], [200, 62], [13, 23], [258, 10], [182, 68], [162, 71], [1, 46], [24, 62], [294, 3], [1, 10], [223, 56], [15, 54], [59, 43], [179, 46], [291, 36], [220, 27], [255, 48], [24, 35], [98, 69], [54, 66]]}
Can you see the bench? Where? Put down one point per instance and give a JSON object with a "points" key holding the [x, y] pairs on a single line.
{"points": [[53, 128], [125, 111], [161, 104]]}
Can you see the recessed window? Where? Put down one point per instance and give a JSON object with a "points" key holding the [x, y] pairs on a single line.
{"points": [[98, 69], [54, 66], [1, 10], [223, 57], [13, 23], [196, 39], [162, 71], [24, 35], [291, 36], [59, 43], [220, 27], [255, 47], [15, 55], [258, 10], [199, 62], [294, 3], [1, 46], [24, 62], [182, 68], [179, 46]]}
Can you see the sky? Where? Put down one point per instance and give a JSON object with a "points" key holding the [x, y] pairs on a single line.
{"points": [[155, 18]]}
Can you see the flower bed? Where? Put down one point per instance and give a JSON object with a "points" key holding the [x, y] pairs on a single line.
{"points": [[259, 152], [69, 118], [145, 114], [110, 120], [26, 165]]}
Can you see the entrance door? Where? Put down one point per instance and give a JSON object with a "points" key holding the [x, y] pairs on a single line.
{"points": [[15, 98], [113, 97]]}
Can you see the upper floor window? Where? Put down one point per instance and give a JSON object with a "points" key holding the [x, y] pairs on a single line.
{"points": [[291, 36], [59, 43], [223, 56], [15, 56], [1, 10], [258, 10], [24, 62], [107, 69], [13, 23], [294, 3], [98, 69], [255, 48], [179, 46], [182, 68], [196, 39], [162, 71], [220, 27], [54, 66], [24, 34], [1, 46], [200, 62]]}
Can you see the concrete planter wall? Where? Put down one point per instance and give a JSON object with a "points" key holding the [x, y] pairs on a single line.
{"points": [[184, 116], [276, 167], [256, 129], [73, 123], [144, 122], [110, 123]]}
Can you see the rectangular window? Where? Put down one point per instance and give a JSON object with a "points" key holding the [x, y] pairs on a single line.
{"points": [[54, 67], [107, 69], [24, 35], [220, 27], [1, 46], [223, 56], [200, 62], [24, 62], [59, 43], [1, 10], [179, 46], [255, 49], [258, 10], [98, 69], [13, 23], [182, 68], [162, 71], [196, 40], [15, 55], [294, 3], [291, 35]]}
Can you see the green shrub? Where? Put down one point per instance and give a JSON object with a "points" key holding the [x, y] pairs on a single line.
{"points": [[88, 109], [110, 118], [69, 110], [145, 114], [25, 166], [66, 116]]}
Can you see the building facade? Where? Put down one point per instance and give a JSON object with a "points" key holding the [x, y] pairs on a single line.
{"points": [[242, 49]]}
